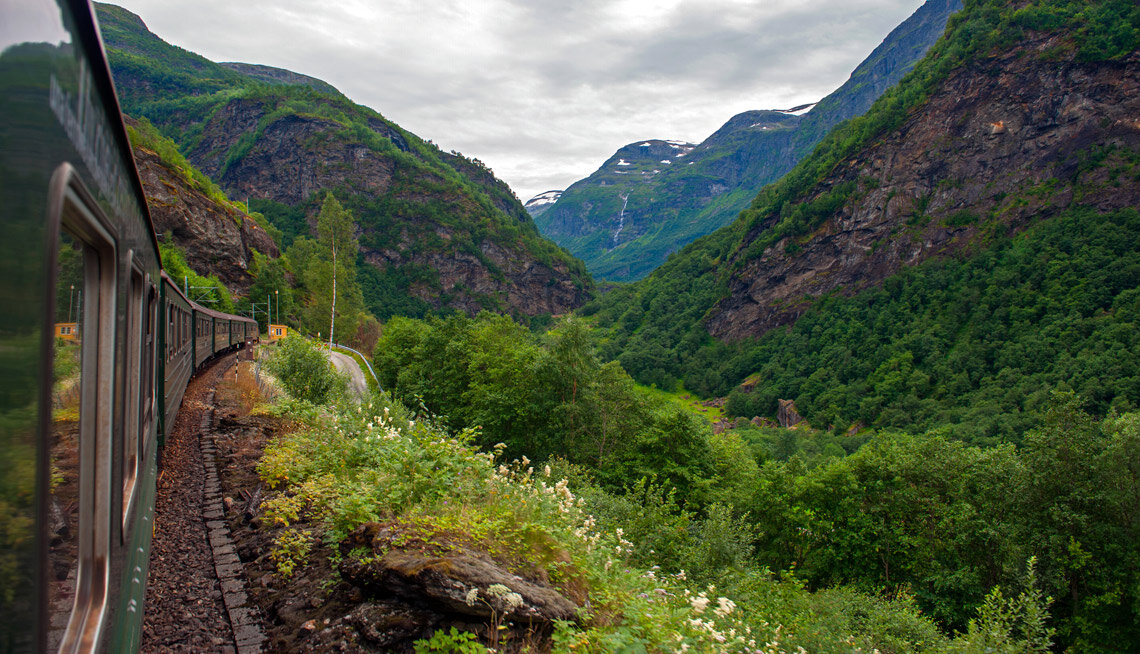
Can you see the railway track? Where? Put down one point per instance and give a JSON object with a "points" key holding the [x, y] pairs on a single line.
{"points": [[196, 597]]}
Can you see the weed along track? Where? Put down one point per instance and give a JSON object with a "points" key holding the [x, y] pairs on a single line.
{"points": [[196, 599]]}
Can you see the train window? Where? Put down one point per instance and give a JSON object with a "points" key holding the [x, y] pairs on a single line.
{"points": [[169, 331], [148, 369], [132, 418], [78, 483]]}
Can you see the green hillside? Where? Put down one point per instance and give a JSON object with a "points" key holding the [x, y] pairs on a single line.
{"points": [[672, 198], [951, 342], [415, 205]]}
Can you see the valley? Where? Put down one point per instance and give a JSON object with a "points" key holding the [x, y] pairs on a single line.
{"points": [[858, 375]]}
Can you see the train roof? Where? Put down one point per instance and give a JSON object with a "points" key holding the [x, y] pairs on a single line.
{"points": [[87, 26], [173, 285]]}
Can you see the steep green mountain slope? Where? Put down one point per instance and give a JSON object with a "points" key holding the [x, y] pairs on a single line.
{"points": [[947, 259], [653, 197], [438, 231]]}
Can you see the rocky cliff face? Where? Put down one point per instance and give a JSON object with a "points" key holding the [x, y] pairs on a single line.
{"points": [[294, 157], [408, 215], [1005, 141], [217, 239], [657, 210], [494, 275]]}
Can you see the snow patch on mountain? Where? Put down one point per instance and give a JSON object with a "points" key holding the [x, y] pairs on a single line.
{"points": [[542, 202]]}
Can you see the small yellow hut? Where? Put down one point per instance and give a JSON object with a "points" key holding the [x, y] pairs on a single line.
{"points": [[67, 330]]}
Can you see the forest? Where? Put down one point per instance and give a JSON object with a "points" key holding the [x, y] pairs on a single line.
{"points": [[919, 514], [975, 346]]}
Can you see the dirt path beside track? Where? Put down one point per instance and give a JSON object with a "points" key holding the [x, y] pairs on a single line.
{"points": [[347, 365], [184, 610]]}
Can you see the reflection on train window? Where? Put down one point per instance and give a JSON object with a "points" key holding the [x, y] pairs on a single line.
{"points": [[78, 489], [150, 318], [64, 482], [169, 331], [133, 421]]}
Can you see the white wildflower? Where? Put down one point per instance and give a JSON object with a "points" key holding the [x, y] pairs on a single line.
{"points": [[472, 597], [724, 606], [497, 590], [513, 601], [699, 603]]}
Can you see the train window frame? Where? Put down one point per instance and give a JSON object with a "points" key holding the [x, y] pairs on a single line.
{"points": [[72, 210], [133, 399], [153, 319]]}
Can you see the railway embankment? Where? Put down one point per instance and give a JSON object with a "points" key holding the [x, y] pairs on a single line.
{"points": [[196, 599]]}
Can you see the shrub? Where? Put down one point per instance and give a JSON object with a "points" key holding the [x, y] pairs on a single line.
{"points": [[304, 371]]}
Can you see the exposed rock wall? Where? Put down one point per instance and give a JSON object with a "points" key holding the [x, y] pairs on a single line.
{"points": [[296, 156], [217, 239], [666, 206], [997, 147]]}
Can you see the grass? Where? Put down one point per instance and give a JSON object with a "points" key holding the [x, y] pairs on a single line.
{"points": [[685, 400]]}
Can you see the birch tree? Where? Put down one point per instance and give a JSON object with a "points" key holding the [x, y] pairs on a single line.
{"points": [[336, 231]]}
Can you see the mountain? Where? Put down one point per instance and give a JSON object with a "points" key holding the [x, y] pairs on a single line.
{"points": [[946, 260], [625, 226], [438, 231], [541, 202], [215, 234], [271, 75]]}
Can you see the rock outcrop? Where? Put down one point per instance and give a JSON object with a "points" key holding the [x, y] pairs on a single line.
{"points": [[217, 239], [1003, 142], [456, 581], [787, 415]]}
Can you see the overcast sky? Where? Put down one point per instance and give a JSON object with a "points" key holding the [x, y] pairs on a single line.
{"points": [[543, 91]]}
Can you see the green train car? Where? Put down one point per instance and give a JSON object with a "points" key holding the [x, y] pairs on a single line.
{"points": [[96, 344]]}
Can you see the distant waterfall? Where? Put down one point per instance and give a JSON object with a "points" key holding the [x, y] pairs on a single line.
{"points": [[621, 219]]}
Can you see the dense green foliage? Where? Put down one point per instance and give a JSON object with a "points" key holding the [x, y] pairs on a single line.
{"points": [[947, 522], [209, 291], [431, 488], [976, 345], [546, 395], [304, 371]]}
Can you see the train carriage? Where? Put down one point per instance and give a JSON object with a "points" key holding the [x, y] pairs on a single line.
{"points": [[96, 344], [176, 344]]}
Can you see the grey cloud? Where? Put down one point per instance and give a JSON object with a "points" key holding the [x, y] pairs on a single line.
{"points": [[543, 91]]}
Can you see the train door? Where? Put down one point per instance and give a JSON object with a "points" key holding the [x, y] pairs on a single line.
{"points": [[77, 481]]}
